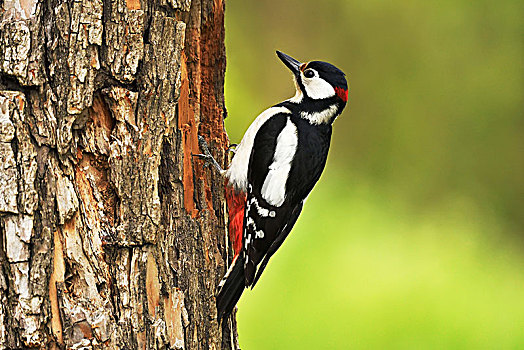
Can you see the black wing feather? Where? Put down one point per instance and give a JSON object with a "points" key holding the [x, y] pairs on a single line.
{"points": [[307, 165]]}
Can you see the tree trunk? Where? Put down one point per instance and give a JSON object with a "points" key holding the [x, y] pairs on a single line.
{"points": [[112, 236]]}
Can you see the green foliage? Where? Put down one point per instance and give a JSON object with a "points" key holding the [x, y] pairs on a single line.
{"points": [[413, 238]]}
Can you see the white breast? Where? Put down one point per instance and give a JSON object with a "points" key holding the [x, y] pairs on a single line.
{"points": [[237, 171]]}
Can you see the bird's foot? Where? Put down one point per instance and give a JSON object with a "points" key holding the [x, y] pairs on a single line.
{"points": [[206, 155]]}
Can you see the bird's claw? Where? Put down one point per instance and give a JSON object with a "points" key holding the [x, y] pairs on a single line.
{"points": [[206, 155]]}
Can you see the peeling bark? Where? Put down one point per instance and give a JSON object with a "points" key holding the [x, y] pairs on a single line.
{"points": [[113, 237]]}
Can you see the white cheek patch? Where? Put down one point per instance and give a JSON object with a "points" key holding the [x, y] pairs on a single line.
{"points": [[317, 88], [274, 187]]}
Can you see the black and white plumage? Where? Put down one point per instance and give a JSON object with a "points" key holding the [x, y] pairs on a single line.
{"points": [[275, 167]]}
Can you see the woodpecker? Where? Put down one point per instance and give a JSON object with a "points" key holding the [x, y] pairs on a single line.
{"points": [[273, 170]]}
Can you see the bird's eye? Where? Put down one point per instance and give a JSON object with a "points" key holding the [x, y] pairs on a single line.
{"points": [[309, 73]]}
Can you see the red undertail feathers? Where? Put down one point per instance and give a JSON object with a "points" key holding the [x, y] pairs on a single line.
{"points": [[236, 201]]}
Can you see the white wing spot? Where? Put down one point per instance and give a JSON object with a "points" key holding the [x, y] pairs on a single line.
{"points": [[250, 222], [237, 171], [261, 211], [274, 187]]}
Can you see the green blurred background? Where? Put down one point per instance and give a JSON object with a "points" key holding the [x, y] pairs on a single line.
{"points": [[414, 236]]}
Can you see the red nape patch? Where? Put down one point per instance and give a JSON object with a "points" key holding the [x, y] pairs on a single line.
{"points": [[342, 93], [236, 201]]}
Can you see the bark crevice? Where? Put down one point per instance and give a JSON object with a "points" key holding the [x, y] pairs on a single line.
{"points": [[112, 236]]}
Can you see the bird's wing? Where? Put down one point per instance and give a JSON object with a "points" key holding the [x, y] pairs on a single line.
{"points": [[276, 189]]}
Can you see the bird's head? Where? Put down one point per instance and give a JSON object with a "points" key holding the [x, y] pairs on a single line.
{"points": [[317, 80]]}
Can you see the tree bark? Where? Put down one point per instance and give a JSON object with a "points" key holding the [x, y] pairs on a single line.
{"points": [[113, 237]]}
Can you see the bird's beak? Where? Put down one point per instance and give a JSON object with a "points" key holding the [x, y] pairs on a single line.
{"points": [[290, 62]]}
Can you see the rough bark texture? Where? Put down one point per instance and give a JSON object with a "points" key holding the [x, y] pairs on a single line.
{"points": [[112, 236]]}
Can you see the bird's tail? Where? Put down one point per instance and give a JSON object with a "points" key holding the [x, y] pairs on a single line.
{"points": [[231, 288]]}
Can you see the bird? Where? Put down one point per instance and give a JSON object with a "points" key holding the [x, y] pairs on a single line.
{"points": [[274, 168]]}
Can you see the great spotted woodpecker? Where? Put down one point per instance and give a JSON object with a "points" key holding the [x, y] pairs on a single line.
{"points": [[275, 167]]}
